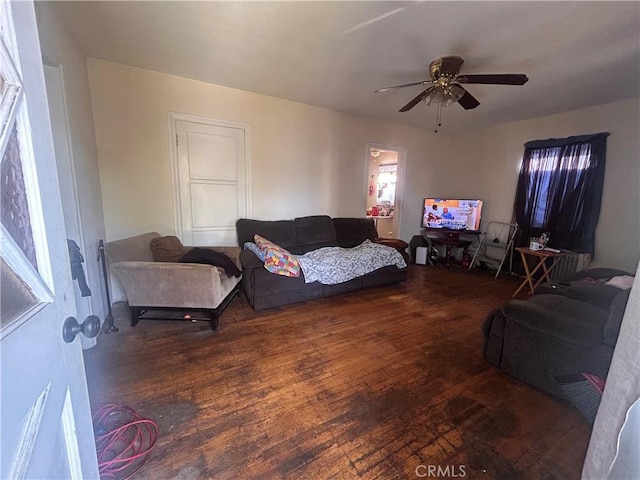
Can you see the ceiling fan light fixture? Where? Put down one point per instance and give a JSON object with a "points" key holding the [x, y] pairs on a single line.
{"points": [[434, 97], [448, 100], [456, 92], [445, 95]]}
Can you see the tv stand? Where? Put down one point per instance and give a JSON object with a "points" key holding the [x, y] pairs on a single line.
{"points": [[450, 239]]}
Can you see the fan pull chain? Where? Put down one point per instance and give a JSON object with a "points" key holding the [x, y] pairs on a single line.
{"points": [[438, 117]]}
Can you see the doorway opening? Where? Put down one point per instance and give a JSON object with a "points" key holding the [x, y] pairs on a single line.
{"points": [[384, 188]]}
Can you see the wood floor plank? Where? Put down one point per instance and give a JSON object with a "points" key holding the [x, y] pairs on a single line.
{"points": [[366, 385]]}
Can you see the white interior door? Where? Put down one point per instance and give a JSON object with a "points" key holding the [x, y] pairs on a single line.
{"points": [[212, 181], [45, 418]]}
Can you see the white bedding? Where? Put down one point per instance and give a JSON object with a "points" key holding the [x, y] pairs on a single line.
{"points": [[332, 265]]}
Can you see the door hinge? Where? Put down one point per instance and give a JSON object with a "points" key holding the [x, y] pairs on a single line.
{"points": [[177, 140]]}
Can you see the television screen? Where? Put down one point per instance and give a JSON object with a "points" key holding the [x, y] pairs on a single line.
{"points": [[453, 214]]}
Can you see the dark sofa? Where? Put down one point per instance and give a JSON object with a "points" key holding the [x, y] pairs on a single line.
{"points": [[564, 329], [301, 235]]}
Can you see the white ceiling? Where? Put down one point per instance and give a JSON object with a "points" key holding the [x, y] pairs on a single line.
{"points": [[335, 54]]}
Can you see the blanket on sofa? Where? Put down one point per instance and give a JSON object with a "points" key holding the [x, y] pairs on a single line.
{"points": [[332, 265]]}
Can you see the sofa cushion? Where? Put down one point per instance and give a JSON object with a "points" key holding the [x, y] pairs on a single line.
{"points": [[557, 316], [597, 273], [315, 232], [267, 284], [265, 290], [277, 259], [596, 294], [166, 249], [353, 231], [280, 232], [588, 286]]}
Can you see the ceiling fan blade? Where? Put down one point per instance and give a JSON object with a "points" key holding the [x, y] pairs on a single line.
{"points": [[384, 89], [497, 79], [467, 101], [416, 100]]}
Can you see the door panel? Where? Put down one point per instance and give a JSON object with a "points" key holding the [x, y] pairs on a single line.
{"points": [[220, 144], [215, 205], [45, 428], [211, 183]]}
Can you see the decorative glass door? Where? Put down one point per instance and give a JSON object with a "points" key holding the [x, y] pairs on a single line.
{"points": [[45, 427]]}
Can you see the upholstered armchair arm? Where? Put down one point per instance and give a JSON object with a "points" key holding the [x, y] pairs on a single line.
{"points": [[167, 284]]}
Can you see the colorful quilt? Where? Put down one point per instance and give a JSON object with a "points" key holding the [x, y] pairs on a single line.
{"points": [[277, 259]]}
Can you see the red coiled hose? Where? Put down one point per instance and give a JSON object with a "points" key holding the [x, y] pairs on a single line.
{"points": [[123, 441]]}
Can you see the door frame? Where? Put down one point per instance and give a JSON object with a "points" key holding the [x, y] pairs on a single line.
{"points": [[173, 118], [399, 194], [70, 204]]}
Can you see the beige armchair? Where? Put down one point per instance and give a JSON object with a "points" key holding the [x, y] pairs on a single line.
{"points": [[152, 288]]}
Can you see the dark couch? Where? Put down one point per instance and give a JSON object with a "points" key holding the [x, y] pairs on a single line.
{"points": [[299, 236], [564, 329]]}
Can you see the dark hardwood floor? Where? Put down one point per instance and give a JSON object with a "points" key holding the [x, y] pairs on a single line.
{"points": [[367, 385]]}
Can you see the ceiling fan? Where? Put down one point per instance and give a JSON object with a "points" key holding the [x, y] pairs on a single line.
{"points": [[445, 85]]}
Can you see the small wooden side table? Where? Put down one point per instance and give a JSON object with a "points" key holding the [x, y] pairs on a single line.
{"points": [[542, 256]]}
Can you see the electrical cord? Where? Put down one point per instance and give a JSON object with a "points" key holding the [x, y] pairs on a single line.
{"points": [[124, 441]]}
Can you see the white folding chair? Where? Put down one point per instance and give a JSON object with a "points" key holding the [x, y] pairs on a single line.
{"points": [[496, 244]]}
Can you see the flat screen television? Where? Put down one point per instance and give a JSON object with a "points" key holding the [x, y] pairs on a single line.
{"points": [[451, 214]]}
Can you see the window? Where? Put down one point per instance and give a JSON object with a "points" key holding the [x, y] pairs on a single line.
{"points": [[560, 190]]}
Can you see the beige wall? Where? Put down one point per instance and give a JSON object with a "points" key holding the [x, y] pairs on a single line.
{"points": [[304, 159], [310, 160], [488, 163]]}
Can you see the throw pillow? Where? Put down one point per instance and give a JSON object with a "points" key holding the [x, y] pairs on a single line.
{"points": [[276, 259], [622, 281], [166, 249], [255, 249]]}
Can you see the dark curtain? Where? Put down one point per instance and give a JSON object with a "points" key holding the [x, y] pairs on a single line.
{"points": [[560, 191]]}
